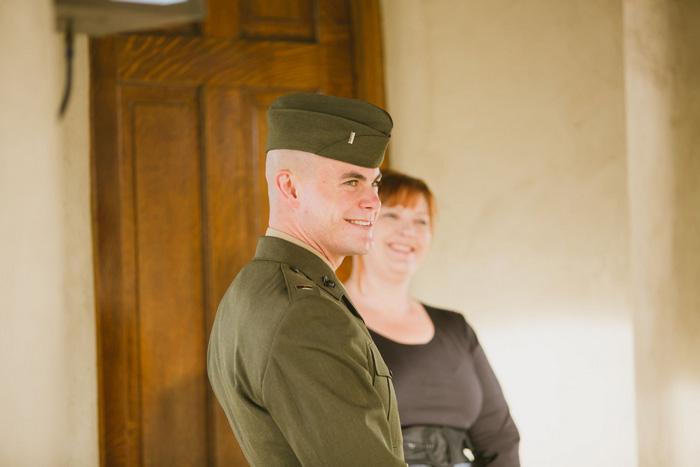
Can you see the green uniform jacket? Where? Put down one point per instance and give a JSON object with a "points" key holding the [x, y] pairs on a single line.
{"points": [[295, 369]]}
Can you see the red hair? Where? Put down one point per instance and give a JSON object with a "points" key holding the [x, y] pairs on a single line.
{"points": [[397, 189]]}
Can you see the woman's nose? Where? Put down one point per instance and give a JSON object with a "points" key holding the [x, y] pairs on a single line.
{"points": [[406, 227]]}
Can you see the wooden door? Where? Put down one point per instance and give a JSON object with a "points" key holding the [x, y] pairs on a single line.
{"points": [[178, 134]]}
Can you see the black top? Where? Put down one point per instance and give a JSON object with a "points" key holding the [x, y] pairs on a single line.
{"points": [[448, 381]]}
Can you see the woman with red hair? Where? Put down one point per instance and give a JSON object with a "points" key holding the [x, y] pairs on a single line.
{"points": [[451, 406]]}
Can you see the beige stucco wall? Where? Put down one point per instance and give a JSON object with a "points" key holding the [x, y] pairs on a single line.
{"points": [[47, 332], [514, 112], [662, 57], [561, 140]]}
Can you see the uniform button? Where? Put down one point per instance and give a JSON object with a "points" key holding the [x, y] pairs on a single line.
{"points": [[327, 282], [293, 269]]}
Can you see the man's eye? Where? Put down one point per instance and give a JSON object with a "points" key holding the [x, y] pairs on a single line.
{"points": [[377, 183], [351, 182]]}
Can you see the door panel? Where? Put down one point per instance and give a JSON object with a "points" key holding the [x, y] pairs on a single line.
{"points": [[164, 149], [281, 19], [195, 61], [180, 199]]}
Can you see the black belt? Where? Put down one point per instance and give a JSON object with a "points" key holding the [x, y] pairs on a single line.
{"points": [[440, 446]]}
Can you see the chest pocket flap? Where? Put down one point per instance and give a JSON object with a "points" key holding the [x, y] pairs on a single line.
{"points": [[380, 367]]}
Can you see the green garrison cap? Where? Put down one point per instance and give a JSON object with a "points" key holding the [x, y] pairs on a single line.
{"points": [[347, 130]]}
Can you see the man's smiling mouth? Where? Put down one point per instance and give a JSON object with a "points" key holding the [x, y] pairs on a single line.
{"points": [[361, 223]]}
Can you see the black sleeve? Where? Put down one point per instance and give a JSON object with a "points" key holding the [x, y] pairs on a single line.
{"points": [[494, 431]]}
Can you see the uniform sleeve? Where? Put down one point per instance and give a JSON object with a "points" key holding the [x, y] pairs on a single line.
{"points": [[324, 391], [494, 431]]}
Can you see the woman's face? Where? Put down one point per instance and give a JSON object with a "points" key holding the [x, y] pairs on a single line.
{"points": [[402, 237]]}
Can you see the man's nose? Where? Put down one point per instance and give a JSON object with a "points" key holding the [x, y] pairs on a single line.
{"points": [[371, 199]]}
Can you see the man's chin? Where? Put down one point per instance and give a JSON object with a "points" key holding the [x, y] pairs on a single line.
{"points": [[363, 250], [357, 247]]}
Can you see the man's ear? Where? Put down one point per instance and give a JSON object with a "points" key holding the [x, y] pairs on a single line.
{"points": [[286, 186]]}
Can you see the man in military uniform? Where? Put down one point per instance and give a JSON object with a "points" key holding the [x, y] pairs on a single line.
{"points": [[290, 359]]}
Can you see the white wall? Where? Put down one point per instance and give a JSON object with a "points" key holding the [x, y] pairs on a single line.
{"points": [[514, 112], [48, 394]]}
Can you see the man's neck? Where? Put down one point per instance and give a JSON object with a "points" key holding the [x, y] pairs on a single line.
{"points": [[272, 232]]}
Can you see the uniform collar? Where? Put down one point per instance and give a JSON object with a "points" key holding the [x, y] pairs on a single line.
{"points": [[297, 257], [285, 236]]}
